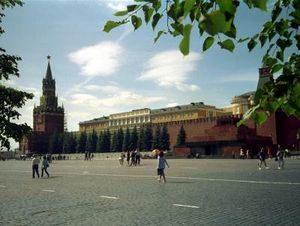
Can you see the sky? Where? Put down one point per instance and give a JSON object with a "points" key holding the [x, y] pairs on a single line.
{"points": [[100, 73]]}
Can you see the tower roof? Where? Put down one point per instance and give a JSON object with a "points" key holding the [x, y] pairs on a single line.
{"points": [[48, 72], [265, 76]]}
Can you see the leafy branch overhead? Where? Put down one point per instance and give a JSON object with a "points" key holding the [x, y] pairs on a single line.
{"points": [[211, 18], [10, 99], [214, 21]]}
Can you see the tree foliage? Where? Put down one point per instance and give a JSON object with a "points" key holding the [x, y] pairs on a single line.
{"points": [[11, 99], [81, 144], [164, 139], [126, 141], [181, 137], [134, 139], [148, 136], [215, 23]]}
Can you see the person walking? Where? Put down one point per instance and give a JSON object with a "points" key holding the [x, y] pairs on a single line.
{"points": [[137, 157], [262, 159], [242, 153], [45, 165], [128, 157], [121, 158], [280, 156], [35, 166], [161, 164]]}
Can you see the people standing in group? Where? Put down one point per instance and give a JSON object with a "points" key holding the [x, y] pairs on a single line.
{"points": [[262, 159], [45, 165], [161, 164], [280, 157], [128, 157], [35, 166], [132, 155]]}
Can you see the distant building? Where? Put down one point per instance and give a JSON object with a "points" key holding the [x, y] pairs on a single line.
{"points": [[48, 118]]}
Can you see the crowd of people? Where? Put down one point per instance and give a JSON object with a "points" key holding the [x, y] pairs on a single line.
{"points": [[133, 158]]}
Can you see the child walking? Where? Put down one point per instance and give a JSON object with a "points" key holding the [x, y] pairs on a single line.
{"points": [[161, 164]]}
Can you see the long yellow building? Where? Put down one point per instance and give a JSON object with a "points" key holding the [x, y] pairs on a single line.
{"points": [[139, 117]]}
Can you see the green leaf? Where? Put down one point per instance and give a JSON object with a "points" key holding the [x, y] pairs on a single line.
{"points": [[158, 35], [112, 24], [243, 40], [261, 4], [263, 38], [226, 6], [259, 117], [156, 5], [297, 89], [209, 41], [215, 22], [227, 44], [178, 28], [276, 68], [184, 45], [147, 13], [121, 13], [248, 115], [155, 20], [136, 21], [280, 55], [270, 61], [131, 8], [276, 11], [267, 26], [188, 5], [232, 32], [251, 44]]}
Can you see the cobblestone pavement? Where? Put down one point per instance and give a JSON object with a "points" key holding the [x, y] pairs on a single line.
{"points": [[197, 192]]}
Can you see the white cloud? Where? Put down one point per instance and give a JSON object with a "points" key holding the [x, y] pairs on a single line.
{"points": [[86, 106], [171, 69], [122, 98], [117, 5], [103, 59], [172, 104]]}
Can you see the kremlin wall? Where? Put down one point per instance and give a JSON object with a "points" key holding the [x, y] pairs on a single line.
{"points": [[210, 131]]}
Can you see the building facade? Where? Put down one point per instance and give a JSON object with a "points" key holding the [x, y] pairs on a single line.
{"points": [[48, 118], [140, 117]]}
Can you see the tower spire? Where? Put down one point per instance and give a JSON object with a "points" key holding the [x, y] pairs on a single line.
{"points": [[48, 72]]}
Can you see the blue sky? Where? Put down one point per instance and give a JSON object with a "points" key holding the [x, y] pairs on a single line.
{"points": [[100, 73]]}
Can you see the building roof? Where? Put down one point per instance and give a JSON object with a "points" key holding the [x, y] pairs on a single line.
{"points": [[48, 72], [191, 106]]}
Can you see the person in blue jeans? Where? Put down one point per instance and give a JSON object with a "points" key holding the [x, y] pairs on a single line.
{"points": [[262, 159], [161, 164]]}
